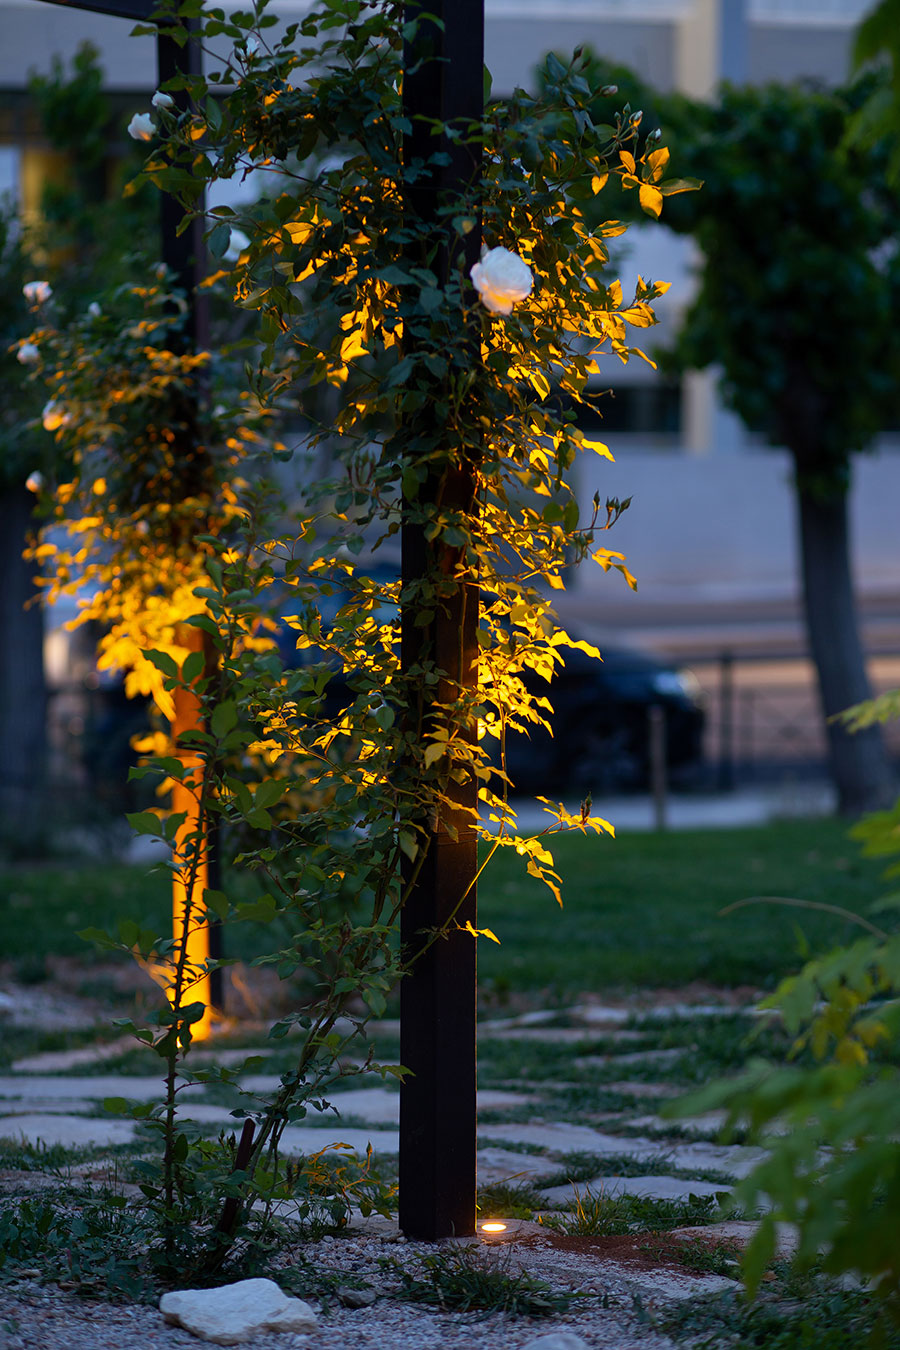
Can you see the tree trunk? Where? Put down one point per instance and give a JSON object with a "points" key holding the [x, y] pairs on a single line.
{"points": [[859, 764], [23, 697]]}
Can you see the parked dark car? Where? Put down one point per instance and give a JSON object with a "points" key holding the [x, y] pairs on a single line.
{"points": [[601, 726], [601, 730]]}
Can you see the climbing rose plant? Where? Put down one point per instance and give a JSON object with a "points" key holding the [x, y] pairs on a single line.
{"points": [[404, 376]]}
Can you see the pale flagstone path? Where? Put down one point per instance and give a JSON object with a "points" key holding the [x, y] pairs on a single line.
{"points": [[48, 1106], [659, 1188], [50, 1098]]}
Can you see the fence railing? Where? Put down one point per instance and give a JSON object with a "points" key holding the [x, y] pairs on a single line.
{"points": [[763, 719]]}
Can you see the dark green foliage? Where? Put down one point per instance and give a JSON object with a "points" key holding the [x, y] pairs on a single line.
{"points": [[793, 1313], [877, 121], [97, 1245], [800, 281]]}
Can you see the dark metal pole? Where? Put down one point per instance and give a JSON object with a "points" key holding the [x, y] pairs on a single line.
{"points": [[185, 255], [726, 722], [443, 80], [656, 718]]}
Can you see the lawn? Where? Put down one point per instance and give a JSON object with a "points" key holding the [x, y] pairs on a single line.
{"points": [[645, 909], [639, 911]]}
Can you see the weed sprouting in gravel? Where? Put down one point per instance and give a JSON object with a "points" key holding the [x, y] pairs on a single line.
{"points": [[510, 1199], [701, 1256], [793, 1312], [97, 1247], [601, 1214], [472, 1278]]}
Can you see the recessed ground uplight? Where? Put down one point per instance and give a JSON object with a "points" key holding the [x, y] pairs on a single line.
{"points": [[493, 1228]]}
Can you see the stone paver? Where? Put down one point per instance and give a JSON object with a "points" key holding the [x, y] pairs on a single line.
{"points": [[630, 1059], [41, 1102], [58, 1061], [561, 1137], [96, 1087], [502, 1164], [72, 1131], [658, 1188]]}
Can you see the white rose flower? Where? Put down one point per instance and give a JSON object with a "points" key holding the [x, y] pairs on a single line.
{"points": [[37, 292], [54, 416], [94, 310], [35, 481], [28, 354], [501, 279], [142, 127], [252, 45], [161, 100], [237, 244]]}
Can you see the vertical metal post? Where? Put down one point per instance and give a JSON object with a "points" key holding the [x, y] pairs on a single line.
{"points": [[726, 722], [443, 80], [184, 255], [656, 717]]}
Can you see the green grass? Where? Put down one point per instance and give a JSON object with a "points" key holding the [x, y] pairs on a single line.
{"points": [[466, 1279], [598, 1214], [43, 907], [643, 910], [639, 911]]}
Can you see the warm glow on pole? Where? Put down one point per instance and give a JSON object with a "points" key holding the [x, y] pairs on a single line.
{"points": [[191, 852]]}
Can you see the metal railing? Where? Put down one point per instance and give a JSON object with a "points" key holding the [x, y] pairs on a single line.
{"points": [[764, 721]]}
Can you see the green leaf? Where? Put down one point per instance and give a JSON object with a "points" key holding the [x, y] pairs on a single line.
{"points": [[145, 822], [218, 240], [193, 667], [407, 841], [128, 931], [99, 937], [117, 1106], [759, 1254], [218, 902], [269, 792], [224, 719], [164, 662]]}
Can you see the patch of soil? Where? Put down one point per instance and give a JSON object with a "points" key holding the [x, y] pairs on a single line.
{"points": [[635, 1251]]}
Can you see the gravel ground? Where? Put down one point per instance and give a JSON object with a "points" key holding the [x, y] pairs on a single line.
{"points": [[38, 1317]]}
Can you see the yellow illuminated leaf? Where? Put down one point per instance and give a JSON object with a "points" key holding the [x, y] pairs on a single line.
{"points": [[628, 160], [599, 448], [468, 927], [651, 200], [657, 163], [540, 382]]}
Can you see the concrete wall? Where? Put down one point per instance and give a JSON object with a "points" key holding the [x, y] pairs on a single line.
{"points": [[513, 47], [722, 527]]}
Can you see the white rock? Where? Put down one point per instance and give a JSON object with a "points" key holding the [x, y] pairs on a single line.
{"points": [[235, 1312], [557, 1340]]}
